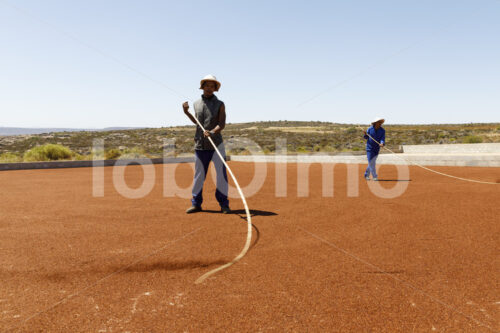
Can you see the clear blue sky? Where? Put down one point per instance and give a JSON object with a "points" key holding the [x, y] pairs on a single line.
{"points": [[426, 61]]}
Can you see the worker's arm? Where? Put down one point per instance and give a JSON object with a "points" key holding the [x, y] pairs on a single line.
{"points": [[382, 140], [185, 106]]}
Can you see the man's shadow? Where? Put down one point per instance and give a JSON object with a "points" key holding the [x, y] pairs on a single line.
{"points": [[170, 266], [253, 212], [173, 265], [394, 180]]}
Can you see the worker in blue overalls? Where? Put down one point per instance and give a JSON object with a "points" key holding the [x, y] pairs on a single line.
{"points": [[375, 138]]}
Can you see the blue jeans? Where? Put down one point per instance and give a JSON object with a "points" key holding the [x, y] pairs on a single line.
{"points": [[203, 158], [372, 160]]}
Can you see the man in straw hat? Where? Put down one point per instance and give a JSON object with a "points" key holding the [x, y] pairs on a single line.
{"points": [[375, 138], [211, 113]]}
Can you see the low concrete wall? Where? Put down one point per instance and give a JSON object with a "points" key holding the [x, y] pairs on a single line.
{"points": [[472, 148], [480, 160], [479, 154], [483, 160], [88, 164]]}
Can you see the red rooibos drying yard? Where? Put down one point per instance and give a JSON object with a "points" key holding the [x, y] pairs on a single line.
{"points": [[424, 261]]}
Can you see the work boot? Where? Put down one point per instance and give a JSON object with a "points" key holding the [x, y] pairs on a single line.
{"points": [[225, 210], [193, 209]]}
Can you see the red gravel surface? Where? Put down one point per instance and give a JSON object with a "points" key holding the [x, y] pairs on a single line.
{"points": [[425, 261]]}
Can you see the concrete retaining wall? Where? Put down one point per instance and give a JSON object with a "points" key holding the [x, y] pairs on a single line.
{"points": [[473, 148], [484, 160], [478, 154], [88, 164]]}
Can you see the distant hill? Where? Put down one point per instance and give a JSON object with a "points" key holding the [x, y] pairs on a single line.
{"points": [[24, 131]]}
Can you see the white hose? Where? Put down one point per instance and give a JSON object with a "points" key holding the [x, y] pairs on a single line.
{"points": [[249, 218], [431, 170]]}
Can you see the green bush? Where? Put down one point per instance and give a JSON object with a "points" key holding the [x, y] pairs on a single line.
{"points": [[353, 130], [472, 139], [244, 152], [95, 155], [48, 152], [328, 148], [131, 153], [10, 158], [112, 154], [79, 157]]}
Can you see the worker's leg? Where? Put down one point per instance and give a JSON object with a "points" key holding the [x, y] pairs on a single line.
{"points": [[222, 185], [202, 160], [372, 163]]}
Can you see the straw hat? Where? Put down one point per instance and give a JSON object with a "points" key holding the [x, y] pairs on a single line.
{"points": [[377, 119], [210, 78]]}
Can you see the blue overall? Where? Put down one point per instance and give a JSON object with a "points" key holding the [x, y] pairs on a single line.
{"points": [[373, 149]]}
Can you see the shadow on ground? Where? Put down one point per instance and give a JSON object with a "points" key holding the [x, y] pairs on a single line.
{"points": [[385, 272], [253, 212], [171, 266], [394, 180], [174, 265], [56, 277]]}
